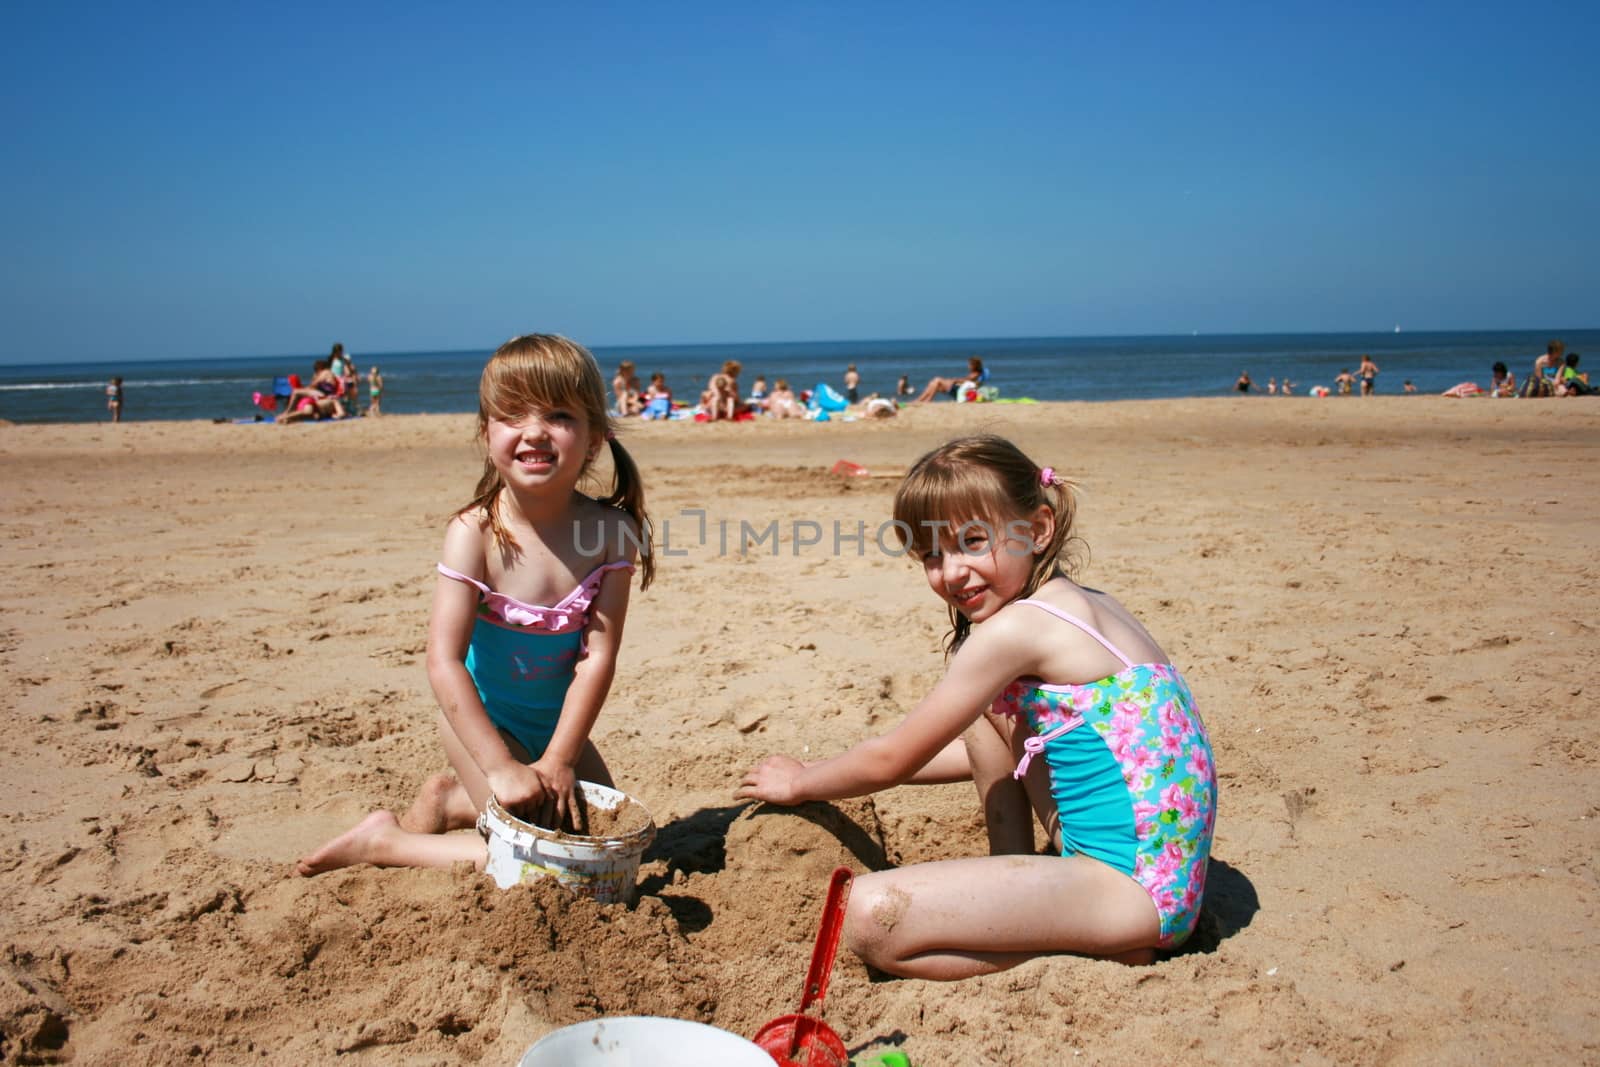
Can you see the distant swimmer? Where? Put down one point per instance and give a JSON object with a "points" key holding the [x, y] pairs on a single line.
{"points": [[1244, 383]]}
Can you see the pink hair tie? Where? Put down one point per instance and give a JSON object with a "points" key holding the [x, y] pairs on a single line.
{"points": [[611, 435], [1047, 477]]}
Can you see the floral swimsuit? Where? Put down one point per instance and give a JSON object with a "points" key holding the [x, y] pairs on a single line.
{"points": [[1131, 774]]}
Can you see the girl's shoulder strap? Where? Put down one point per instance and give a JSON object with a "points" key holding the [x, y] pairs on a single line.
{"points": [[1080, 624], [458, 576]]}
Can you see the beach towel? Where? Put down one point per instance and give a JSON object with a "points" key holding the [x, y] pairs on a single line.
{"points": [[1464, 389]]}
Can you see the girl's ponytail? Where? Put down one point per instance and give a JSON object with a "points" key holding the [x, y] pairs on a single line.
{"points": [[627, 493]]}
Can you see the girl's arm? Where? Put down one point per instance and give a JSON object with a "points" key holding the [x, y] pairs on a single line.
{"points": [[950, 764], [593, 674], [996, 654], [455, 610]]}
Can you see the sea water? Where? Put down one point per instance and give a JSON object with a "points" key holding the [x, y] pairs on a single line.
{"points": [[1045, 368]]}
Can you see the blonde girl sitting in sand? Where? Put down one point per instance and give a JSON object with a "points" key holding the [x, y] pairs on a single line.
{"points": [[1055, 696], [520, 684]]}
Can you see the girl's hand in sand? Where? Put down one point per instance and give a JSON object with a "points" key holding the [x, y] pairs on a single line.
{"points": [[774, 780], [561, 781], [521, 790]]}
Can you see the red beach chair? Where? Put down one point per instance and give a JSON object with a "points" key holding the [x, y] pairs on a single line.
{"points": [[281, 388]]}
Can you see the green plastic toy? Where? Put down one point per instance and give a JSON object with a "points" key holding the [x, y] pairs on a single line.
{"points": [[889, 1057]]}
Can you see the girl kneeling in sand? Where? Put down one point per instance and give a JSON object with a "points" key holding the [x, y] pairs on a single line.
{"points": [[1102, 731], [519, 684]]}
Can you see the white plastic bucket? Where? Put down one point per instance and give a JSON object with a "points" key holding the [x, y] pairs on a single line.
{"points": [[605, 868], [643, 1041]]}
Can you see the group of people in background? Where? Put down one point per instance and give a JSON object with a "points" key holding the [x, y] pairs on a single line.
{"points": [[723, 400], [1555, 373], [1366, 377], [334, 391]]}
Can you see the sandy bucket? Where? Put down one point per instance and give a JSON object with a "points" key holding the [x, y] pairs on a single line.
{"points": [[605, 868], [637, 1040]]}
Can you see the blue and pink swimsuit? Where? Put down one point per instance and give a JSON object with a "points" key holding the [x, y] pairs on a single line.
{"points": [[523, 656], [1131, 774]]}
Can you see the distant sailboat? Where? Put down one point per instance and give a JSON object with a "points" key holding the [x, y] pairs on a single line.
{"points": [[1397, 327]]}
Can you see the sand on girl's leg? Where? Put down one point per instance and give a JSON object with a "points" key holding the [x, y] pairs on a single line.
{"points": [[441, 805], [380, 840]]}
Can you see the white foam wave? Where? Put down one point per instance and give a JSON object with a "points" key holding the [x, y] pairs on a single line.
{"points": [[13, 387]]}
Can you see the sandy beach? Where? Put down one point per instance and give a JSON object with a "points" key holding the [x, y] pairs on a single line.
{"points": [[213, 659]]}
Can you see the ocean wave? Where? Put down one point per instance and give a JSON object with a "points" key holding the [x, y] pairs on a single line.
{"points": [[132, 383]]}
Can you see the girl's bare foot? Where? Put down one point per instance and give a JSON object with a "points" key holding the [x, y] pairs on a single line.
{"points": [[362, 843]]}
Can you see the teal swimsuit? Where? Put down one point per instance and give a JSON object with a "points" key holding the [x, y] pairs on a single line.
{"points": [[1131, 774], [523, 657]]}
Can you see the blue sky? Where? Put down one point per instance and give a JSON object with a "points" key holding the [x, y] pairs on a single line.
{"points": [[230, 180]]}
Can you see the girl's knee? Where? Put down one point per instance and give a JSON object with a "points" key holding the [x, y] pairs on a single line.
{"points": [[441, 785], [862, 934], [877, 906]]}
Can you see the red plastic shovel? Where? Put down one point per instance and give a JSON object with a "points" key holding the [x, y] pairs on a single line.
{"points": [[802, 1040]]}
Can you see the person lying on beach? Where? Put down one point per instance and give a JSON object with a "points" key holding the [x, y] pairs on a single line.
{"points": [[936, 385], [879, 407], [520, 685], [308, 410], [1059, 681], [781, 403]]}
